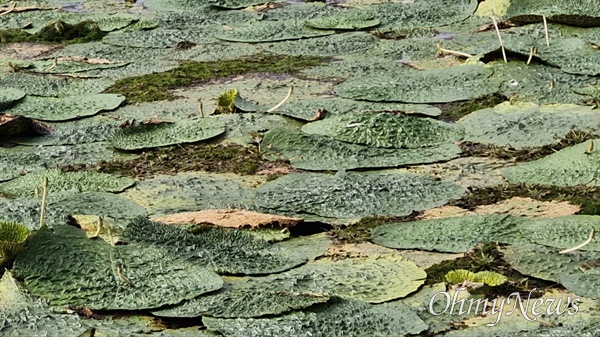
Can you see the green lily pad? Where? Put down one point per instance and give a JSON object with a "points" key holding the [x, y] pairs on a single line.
{"points": [[164, 134], [545, 262], [67, 107], [350, 19], [422, 13], [563, 232], [225, 251], [385, 130], [89, 130], [253, 298], [527, 124], [453, 235], [338, 44], [9, 96], [315, 152], [583, 283], [568, 167], [65, 267], [271, 31], [355, 195], [237, 4], [161, 37], [361, 319], [47, 85], [86, 181], [13, 238], [426, 86], [577, 13]]}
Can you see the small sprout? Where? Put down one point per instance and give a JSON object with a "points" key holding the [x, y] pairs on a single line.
{"points": [[13, 238], [226, 102]]}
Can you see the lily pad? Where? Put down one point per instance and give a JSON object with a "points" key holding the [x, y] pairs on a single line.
{"points": [[271, 31], [67, 107], [225, 251], [65, 267], [164, 134], [355, 195], [563, 232], [572, 166], [315, 152], [86, 181], [47, 85], [161, 37], [90, 130], [386, 130], [577, 13], [8, 96], [361, 319], [350, 19], [338, 44], [583, 283], [237, 4], [453, 235], [426, 86], [422, 13], [527, 124]]}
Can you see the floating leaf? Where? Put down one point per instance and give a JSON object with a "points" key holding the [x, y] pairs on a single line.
{"points": [[164, 134], [578, 13], [47, 85], [8, 96], [459, 276], [338, 44], [425, 86], [271, 31], [65, 267], [563, 232], [350, 19], [65, 108]]}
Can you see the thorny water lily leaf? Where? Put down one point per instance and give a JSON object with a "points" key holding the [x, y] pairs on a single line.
{"points": [[575, 165], [387, 130], [459, 276], [271, 31], [307, 110], [338, 44], [527, 124], [545, 262], [67, 107], [374, 279], [112, 207], [66, 66], [577, 13], [245, 299], [161, 37], [237, 4], [490, 278], [361, 319], [233, 218], [311, 246], [13, 238], [101, 276], [354, 195], [86, 181], [220, 51], [46, 85], [319, 153], [9, 96], [454, 235], [563, 232], [426, 86], [538, 83], [352, 19], [422, 13], [20, 159], [192, 191], [89, 130], [225, 251], [583, 283], [164, 134]]}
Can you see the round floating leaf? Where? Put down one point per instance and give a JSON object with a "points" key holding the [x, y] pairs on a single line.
{"points": [[385, 130], [338, 44], [583, 283], [67, 107], [360, 319], [47, 85], [422, 86], [226, 251], [454, 235], [161, 37], [253, 298], [13, 238], [563, 232], [315, 152], [86, 181], [490, 278], [66, 268], [271, 31], [8, 96], [237, 4], [572, 166], [164, 134], [527, 124], [355, 195], [422, 13], [89, 130], [578, 13], [351, 19]]}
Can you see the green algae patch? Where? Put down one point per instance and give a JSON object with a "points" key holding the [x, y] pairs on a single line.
{"points": [[155, 87], [56, 32]]}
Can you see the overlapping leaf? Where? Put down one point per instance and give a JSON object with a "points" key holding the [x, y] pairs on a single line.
{"points": [[65, 108]]}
